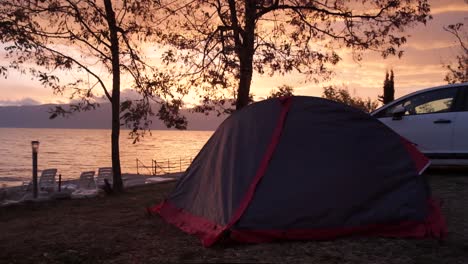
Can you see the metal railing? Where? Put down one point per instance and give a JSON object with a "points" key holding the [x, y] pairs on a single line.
{"points": [[161, 167], [140, 165]]}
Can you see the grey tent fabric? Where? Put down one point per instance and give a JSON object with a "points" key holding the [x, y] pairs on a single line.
{"points": [[303, 168], [352, 168], [216, 170]]}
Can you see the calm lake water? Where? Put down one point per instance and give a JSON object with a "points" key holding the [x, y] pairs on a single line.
{"points": [[72, 151]]}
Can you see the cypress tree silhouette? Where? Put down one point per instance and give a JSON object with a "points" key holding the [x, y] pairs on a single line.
{"points": [[388, 88]]}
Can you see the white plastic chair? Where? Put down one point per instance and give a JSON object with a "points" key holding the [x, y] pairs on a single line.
{"points": [[104, 173], [47, 181], [86, 186]]}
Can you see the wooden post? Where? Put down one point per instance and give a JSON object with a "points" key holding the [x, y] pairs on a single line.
{"points": [[168, 166], [34, 165], [60, 183], [137, 166]]}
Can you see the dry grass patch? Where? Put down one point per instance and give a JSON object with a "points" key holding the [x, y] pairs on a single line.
{"points": [[116, 229]]}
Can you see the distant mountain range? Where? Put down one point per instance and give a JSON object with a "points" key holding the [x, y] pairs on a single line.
{"points": [[37, 116]]}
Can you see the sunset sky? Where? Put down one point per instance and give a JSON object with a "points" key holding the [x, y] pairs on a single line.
{"points": [[428, 48]]}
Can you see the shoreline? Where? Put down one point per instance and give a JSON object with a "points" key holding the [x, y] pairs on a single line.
{"points": [[18, 194]]}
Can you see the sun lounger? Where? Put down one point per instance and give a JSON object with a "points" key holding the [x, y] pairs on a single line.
{"points": [[47, 180], [87, 180], [86, 186], [104, 173]]}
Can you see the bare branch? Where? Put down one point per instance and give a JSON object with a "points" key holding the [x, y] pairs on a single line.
{"points": [[103, 86]]}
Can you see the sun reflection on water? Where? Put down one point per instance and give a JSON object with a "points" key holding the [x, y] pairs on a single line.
{"points": [[72, 151]]}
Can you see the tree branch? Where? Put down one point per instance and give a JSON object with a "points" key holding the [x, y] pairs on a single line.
{"points": [[80, 65], [311, 7]]}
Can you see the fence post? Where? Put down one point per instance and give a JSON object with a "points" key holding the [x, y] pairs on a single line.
{"points": [[168, 166], [137, 166], [60, 183]]}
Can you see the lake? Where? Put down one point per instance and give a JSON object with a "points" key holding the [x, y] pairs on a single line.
{"points": [[72, 151]]}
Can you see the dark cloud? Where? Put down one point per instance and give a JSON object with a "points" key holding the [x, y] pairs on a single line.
{"points": [[129, 94], [126, 94], [24, 101]]}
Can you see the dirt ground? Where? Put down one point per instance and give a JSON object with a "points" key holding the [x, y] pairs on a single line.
{"points": [[116, 229]]}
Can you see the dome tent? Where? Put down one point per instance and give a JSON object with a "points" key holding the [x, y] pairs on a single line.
{"points": [[303, 168]]}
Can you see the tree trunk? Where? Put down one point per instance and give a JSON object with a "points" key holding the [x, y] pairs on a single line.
{"points": [[117, 177], [246, 55]]}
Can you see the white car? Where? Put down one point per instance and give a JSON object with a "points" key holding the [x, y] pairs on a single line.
{"points": [[435, 119]]}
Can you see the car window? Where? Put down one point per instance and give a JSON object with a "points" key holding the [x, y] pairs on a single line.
{"points": [[464, 106], [438, 101], [436, 106]]}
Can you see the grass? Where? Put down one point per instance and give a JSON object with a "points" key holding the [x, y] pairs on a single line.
{"points": [[116, 229]]}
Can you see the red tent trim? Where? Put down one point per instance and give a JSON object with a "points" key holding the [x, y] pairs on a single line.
{"points": [[433, 226], [286, 104], [208, 232], [420, 160], [204, 229]]}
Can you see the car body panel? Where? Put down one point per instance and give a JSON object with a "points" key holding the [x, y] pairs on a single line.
{"points": [[436, 137], [461, 126], [438, 126]]}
